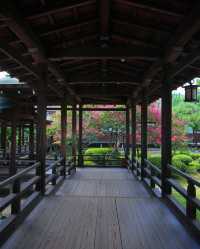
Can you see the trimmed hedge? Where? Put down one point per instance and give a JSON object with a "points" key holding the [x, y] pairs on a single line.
{"points": [[182, 162], [155, 160], [102, 156]]}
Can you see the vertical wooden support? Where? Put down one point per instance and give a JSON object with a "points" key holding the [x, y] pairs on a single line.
{"points": [[191, 210], [63, 134], [80, 135], [166, 135], [19, 144], [144, 109], [31, 141], [12, 169], [41, 139], [127, 133], [23, 135], [3, 139], [15, 207], [133, 131], [74, 134]]}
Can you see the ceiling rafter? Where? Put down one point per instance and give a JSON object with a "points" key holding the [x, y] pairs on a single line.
{"points": [[20, 27], [49, 10], [187, 28]]}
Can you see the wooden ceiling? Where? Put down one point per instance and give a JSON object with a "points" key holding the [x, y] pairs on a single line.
{"points": [[103, 51]]}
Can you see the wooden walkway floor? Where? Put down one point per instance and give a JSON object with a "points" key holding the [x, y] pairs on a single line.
{"points": [[101, 209]]}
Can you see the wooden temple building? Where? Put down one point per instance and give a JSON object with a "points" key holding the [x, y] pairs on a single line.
{"points": [[71, 53]]}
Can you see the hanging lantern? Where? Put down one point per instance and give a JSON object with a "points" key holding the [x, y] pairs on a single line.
{"points": [[191, 93]]}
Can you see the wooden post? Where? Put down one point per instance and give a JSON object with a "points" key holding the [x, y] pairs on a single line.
{"points": [[22, 132], [41, 136], [133, 131], [19, 139], [15, 207], [144, 107], [127, 133], [64, 134], [80, 156], [41, 127], [31, 140], [12, 169], [74, 134], [3, 139], [166, 135]]}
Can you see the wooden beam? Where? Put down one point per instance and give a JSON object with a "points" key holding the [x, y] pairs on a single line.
{"points": [[12, 168], [104, 13], [41, 135], [127, 148], [133, 130], [20, 27], [187, 28], [74, 129], [66, 28], [80, 137], [144, 107], [166, 128], [64, 133], [3, 138], [95, 53], [54, 9], [151, 7], [31, 141]]}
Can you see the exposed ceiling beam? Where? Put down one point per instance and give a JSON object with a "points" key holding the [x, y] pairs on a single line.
{"points": [[21, 28], [150, 7], [94, 53], [67, 28], [55, 8], [187, 28], [140, 26], [104, 13]]}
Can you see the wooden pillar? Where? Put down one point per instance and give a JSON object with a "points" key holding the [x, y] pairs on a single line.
{"points": [[41, 139], [133, 131], [19, 144], [80, 135], [74, 134], [22, 134], [166, 135], [31, 140], [127, 133], [12, 168], [3, 139], [144, 109], [64, 133]]}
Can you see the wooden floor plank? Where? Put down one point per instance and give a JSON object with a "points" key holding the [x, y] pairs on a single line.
{"points": [[101, 209]]}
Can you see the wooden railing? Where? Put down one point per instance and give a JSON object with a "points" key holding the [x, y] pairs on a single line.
{"points": [[189, 194], [136, 168], [23, 192], [20, 201], [152, 178]]}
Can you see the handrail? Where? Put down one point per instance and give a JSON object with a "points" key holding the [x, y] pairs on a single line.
{"points": [[54, 164], [186, 176], [18, 175], [153, 166]]}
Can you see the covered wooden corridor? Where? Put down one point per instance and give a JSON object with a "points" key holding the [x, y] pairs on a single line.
{"points": [[101, 208]]}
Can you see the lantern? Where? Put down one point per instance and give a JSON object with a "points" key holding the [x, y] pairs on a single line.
{"points": [[191, 93]]}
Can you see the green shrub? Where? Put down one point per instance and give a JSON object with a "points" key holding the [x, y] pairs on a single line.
{"points": [[186, 159], [179, 164], [155, 160], [195, 156], [193, 166], [102, 156]]}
